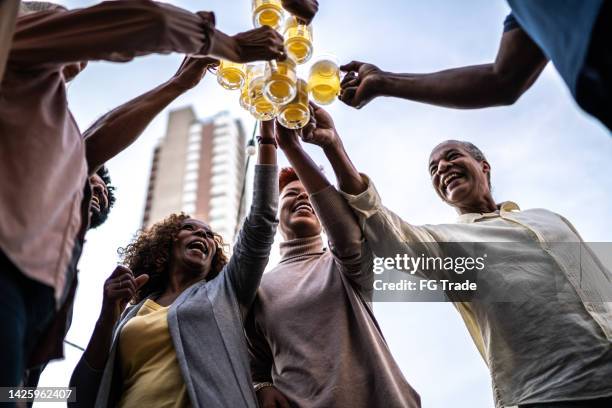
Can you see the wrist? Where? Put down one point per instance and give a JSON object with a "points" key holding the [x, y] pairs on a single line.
{"points": [[262, 140], [383, 83], [224, 46], [108, 314]]}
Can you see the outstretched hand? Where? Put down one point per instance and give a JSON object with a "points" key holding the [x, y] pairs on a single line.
{"points": [[192, 70], [263, 43], [361, 84], [320, 130], [304, 10]]}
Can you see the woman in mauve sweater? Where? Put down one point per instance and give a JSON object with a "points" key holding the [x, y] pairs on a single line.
{"points": [[313, 338]]}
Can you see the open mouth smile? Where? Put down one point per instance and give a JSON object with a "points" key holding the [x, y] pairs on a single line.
{"points": [[198, 245], [450, 180], [95, 202], [302, 206]]}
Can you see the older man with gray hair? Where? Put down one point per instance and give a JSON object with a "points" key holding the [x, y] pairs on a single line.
{"points": [[541, 312]]}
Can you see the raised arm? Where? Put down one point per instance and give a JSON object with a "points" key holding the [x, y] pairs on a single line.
{"points": [[122, 30], [346, 240], [387, 234], [256, 236], [518, 64], [119, 128], [119, 288]]}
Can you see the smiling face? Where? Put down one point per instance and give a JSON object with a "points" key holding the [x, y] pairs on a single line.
{"points": [[99, 205], [297, 217], [194, 248], [459, 179]]}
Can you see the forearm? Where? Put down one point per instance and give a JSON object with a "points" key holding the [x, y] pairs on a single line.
{"points": [[349, 179], [255, 238], [308, 172], [96, 352], [113, 30], [88, 372], [119, 128], [267, 154], [471, 87]]}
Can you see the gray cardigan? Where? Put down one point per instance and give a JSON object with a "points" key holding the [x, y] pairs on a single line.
{"points": [[206, 320]]}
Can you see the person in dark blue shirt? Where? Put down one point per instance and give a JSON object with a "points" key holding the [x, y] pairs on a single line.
{"points": [[573, 34]]}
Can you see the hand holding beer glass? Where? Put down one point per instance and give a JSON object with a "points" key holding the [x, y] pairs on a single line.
{"points": [[324, 79]]}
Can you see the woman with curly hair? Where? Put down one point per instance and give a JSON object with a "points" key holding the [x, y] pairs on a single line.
{"points": [[180, 343]]}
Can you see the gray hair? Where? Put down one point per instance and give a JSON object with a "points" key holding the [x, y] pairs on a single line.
{"points": [[30, 7]]}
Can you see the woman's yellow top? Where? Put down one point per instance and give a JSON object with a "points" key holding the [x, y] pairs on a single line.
{"points": [[150, 372]]}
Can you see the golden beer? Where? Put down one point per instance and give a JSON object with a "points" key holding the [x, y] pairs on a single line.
{"points": [[296, 114], [298, 40], [267, 12], [231, 75], [260, 107], [280, 81], [324, 80], [245, 99]]}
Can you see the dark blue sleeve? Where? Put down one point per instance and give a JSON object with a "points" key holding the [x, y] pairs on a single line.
{"points": [[510, 23]]}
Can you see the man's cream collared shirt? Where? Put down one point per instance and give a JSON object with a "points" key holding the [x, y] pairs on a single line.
{"points": [[546, 330]]}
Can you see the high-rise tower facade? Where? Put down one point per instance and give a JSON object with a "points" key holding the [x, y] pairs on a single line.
{"points": [[199, 168]]}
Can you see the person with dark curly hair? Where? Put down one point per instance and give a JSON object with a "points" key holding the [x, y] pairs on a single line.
{"points": [[181, 340], [102, 197]]}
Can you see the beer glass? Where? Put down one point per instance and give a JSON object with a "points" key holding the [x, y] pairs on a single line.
{"points": [[298, 40], [281, 80], [267, 12], [324, 79], [245, 99], [260, 107], [296, 114], [231, 75]]}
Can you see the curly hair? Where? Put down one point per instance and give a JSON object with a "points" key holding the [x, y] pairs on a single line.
{"points": [[151, 253]]}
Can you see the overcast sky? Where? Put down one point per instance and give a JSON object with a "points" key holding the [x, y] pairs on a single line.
{"points": [[543, 150]]}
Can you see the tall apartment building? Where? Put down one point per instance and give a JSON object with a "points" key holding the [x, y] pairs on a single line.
{"points": [[199, 168]]}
